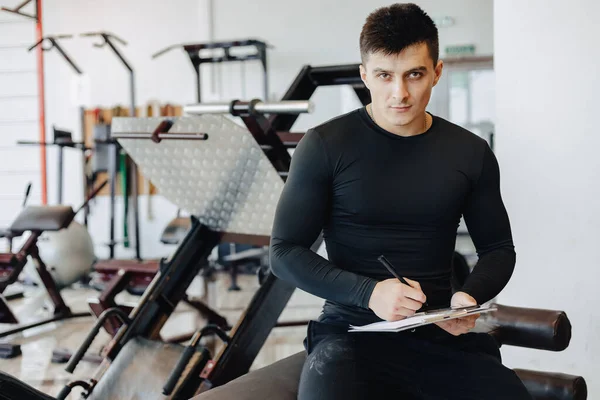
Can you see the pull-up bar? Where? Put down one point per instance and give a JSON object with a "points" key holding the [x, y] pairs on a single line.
{"points": [[193, 52]]}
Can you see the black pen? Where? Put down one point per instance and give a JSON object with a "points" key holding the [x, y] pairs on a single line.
{"points": [[390, 268]]}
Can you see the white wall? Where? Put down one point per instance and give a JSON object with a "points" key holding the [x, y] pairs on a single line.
{"points": [[147, 27], [18, 114], [319, 32], [547, 143]]}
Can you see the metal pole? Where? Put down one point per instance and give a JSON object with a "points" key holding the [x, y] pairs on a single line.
{"points": [[280, 107], [112, 171], [198, 89], [60, 174], [265, 75], [86, 209], [136, 227], [41, 99], [134, 177]]}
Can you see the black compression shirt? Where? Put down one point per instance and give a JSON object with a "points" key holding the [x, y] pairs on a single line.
{"points": [[371, 193]]}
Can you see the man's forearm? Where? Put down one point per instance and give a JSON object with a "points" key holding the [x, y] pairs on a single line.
{"points": [[491, 274], [314, 274]]}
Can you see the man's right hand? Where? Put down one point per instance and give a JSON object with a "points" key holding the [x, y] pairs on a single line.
{"points": [[392, 300]]}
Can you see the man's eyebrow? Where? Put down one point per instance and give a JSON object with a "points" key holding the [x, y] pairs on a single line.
{"points": [[417, 69], [378, 69]]}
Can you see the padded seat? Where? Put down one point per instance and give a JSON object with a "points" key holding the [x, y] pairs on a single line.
{"points": [[275, 381], [113, 266], [280, 381], [141, 369], [12, 388], [43, 218]]}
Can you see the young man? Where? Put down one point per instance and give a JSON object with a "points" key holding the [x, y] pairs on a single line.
{"points": [[391, 179]]}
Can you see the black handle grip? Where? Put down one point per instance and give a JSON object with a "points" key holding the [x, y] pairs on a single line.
{"points": [[181, 364], [62, 395], [74, 360]]}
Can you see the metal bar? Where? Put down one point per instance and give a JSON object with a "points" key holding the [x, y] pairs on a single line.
{"points": [[92, 335], [112, 171], [116, 51], [281, 107], [65, 56], [227, 58], [23, 4], [136, 216], [169, 285], [86, 209], [41, 101], [161, 136], [250, 333], [345, 74], [43, 322], [60, 174], [198, 82], [19, 13], [91, 196]]}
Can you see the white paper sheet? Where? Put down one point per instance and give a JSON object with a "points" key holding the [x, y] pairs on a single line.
{"points": [[420, 319]]}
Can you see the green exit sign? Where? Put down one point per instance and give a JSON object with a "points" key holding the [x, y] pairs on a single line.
{"points": [[463, 50]]}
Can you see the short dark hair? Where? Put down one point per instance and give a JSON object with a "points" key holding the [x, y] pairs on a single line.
{"points": [[392, 29]]}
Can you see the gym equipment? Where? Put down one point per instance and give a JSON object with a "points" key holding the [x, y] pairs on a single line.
{"points": [[62, 139], [37, 220], [531, 328], [193, 52], [115, 151], [524, 327], [68, 254], [233, 200]]}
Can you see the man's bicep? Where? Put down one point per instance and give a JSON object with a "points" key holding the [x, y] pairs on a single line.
{"points": [[302, 207], [485, 213]]}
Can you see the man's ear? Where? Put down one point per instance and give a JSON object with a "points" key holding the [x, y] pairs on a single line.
{"points": [[363, 75], [438, 72]]}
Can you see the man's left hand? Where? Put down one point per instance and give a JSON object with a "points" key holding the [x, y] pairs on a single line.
{"points": [[463, 325]]}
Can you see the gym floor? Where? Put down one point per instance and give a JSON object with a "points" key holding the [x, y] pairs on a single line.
{"points": [[35, 365]]}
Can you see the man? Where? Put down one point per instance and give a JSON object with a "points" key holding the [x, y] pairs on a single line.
{"points": [[391, 179]]}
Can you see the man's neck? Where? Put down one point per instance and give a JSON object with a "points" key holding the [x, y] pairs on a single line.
{"points": [[416, 127]]}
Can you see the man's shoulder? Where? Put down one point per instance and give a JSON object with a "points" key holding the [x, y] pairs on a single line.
{"points": [[339, 125], [457, 132]]}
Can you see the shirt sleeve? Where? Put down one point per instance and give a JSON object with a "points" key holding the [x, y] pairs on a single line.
{"points": [[489, 227], [301, 214]]}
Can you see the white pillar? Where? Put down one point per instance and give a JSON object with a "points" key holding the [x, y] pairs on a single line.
{"points": [[548, 145]]}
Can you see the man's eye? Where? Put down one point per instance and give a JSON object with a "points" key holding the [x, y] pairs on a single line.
{"points": [[383, 76], [416, 74]]}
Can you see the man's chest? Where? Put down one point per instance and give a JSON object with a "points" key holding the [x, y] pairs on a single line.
{"points": [[408, 189]]}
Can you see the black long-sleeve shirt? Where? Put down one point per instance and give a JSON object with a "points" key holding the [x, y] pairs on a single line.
{"points": [[371, 193]]}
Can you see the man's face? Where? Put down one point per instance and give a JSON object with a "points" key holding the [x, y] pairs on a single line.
{"points": [[400, 86]]}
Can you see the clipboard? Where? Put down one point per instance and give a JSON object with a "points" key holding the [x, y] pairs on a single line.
{"points": [[422, 319]]}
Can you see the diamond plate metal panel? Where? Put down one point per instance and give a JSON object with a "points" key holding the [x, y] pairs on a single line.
{"points": [[227, 182]]}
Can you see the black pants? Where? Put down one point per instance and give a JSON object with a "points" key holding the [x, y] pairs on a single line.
{"points": [[427, 363]]}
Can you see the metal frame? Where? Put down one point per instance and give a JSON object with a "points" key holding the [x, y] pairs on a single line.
{"points": [[310, 78], [15, 262], [193, 52], [108, 39], [168, 287]]}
